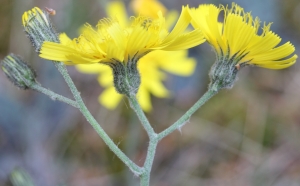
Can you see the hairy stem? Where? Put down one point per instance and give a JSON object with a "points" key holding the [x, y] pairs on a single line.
{"points": [[113, 147], [53, 95], [141, 115], [145, 176], [181, 121], [155, 138]]}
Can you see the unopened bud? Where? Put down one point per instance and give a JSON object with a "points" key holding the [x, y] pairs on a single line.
{"points": [[18, 71], [126, 76], [38, 27]]}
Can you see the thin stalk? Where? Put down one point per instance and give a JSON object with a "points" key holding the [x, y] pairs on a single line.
{"points": [[53, 95], [141, 115], [113, 147], [131, 143], [145, 177], [155, 138], [179, 123]]}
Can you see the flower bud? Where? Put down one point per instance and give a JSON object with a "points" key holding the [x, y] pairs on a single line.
{"points": [[18, 71], [126, 76], [38, 27]]}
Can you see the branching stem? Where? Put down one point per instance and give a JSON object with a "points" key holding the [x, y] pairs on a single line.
{"points": [[53, 95], [155, 138], [145, 171], [181, 121], [113, 147], [141, 115]]}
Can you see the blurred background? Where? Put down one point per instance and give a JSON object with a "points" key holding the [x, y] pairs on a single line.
{"points": [[249, 135]]}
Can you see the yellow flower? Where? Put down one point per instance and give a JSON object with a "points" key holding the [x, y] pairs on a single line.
{"points": [[150, 66], [112, 41], [237, 37]]}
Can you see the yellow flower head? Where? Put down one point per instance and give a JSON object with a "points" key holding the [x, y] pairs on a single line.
{"points": [[237, 36], [150, 66], [238, 44], [112, 41]]}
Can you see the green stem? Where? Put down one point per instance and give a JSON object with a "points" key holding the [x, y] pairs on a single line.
{"points": [[155, 138], [53, 95], [179, 123], [113, 147], [141, 115], [145, 177]]}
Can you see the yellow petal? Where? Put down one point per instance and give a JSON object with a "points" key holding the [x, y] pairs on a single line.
{"points": [[238, 33], [138, 40], [186, 41], [181, 25], [64, 39], [117, 34], [106, 78], [171, 18], [144, 99], [178, 63], [90, 68], [278, 67], [261, 44], [290, 60], [55, 51], [276, 53], [109, 98], [76, 58], [117, 9], [155, 87], [205, 17], [147, 8]]}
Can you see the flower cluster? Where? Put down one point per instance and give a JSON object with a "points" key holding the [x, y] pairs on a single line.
{"points": [[138, 45]]}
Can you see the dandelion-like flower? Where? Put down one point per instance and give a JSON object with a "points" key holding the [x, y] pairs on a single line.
{"points": [[238, 44], [120, 46], [111, 41], [150, 66]]}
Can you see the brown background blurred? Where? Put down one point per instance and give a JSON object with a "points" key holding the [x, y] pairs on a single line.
{"points": [[249, 135]]}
